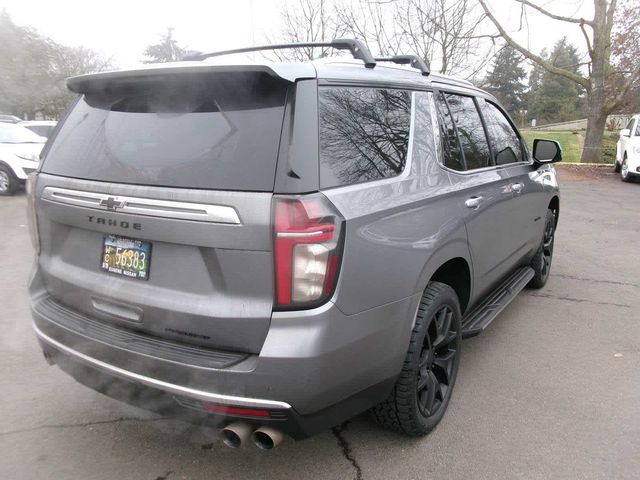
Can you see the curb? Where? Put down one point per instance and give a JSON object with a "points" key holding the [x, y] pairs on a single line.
{"points": [[578, 164]]}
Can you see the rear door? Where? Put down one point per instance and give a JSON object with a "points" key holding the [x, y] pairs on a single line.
{"points": [[154, 206], [483, 191]]}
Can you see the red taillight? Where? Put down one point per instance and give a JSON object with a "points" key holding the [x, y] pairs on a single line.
{"points": [[247, 412], [307, 250]]}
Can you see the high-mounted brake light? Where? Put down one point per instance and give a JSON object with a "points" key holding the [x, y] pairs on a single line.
{"points": [[307, 250]]}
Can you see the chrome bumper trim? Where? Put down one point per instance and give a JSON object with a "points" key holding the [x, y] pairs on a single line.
{"points": [[161, 385]]}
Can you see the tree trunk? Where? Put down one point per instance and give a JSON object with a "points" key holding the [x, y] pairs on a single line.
{"points": [[596, 100], [596, 122]]}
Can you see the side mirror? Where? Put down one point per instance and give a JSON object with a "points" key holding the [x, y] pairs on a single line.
{"points": [[625, 132], [546, 151]]}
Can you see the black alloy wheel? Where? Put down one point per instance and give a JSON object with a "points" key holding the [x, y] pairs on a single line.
{"points": [[437, 362]]}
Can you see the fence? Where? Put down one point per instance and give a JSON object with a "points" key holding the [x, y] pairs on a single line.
{"points": [[614, 122]]}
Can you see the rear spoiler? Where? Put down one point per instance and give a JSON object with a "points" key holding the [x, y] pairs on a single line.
{"points": [[96, 82]]}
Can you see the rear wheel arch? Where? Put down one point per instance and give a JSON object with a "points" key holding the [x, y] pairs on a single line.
{"points": [[9, 167], [456, 273]]}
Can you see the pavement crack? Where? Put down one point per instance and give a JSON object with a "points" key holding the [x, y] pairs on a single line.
{"points": [[347, 452], [577, 300], [165, 476], [81, 425], [595, 280]]}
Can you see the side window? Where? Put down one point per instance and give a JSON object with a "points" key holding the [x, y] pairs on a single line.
{"points": [[364, 134], [505, 142], [470, 131], [637, 134], [450, 145]]}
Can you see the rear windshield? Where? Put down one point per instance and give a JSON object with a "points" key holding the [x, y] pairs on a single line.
{"points": [[209, 131]]}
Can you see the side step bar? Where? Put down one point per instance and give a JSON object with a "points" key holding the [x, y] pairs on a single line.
{"points": [[480, 317]]}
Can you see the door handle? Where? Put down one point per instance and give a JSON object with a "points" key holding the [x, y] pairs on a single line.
{"points": [[517, 187], [473, 202]]}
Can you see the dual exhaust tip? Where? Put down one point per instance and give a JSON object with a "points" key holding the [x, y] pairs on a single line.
{"points": [[237, 434]]}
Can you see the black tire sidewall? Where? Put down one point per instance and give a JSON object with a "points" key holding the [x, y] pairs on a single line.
{"points": [[13, 181], [446, 296], [539, 279]]}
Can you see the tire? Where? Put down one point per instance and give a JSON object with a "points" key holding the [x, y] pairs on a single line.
{"points": [[625, 176], [8, 181], [422, 392], [616, 166], [541, 262]]}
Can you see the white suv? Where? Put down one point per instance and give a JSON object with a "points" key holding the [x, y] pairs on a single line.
{"points": [[628, 151], [19, 156]]}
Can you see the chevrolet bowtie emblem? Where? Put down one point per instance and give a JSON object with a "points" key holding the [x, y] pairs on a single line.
{"points": [[111, 203]]}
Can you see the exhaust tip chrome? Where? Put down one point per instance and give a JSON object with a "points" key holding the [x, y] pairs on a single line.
{"points": [[267, 438], [236, 434]]}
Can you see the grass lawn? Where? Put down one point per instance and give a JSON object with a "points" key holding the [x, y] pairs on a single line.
{"points": [[571, 145]]}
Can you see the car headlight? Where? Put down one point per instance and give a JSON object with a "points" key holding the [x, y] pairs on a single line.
{"points": [[636, 149], [28, 156]]}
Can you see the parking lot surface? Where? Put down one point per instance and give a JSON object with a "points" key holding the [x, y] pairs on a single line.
{"points": [[550, 390]]}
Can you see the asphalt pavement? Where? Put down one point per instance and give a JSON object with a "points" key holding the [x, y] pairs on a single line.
{"points": [[550, 391]]}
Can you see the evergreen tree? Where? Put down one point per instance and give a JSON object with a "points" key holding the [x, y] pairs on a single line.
{"points": [[505, 81], [167, 50], [554, 98], [535, 82]]}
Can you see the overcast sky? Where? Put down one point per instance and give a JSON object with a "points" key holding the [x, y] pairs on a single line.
{"points": [[122, 29]]}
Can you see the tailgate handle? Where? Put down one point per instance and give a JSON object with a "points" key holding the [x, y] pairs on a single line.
{"points": [[124, 312]]}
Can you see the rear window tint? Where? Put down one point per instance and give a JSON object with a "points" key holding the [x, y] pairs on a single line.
{"points": [[364, 134], [208, 131]]}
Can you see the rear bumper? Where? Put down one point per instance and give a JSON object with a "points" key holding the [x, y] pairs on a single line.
{"points": [[316, 369]]}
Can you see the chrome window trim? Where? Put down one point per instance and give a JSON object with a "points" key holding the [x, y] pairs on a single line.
{"points": [[143, 206], [159, 384]]}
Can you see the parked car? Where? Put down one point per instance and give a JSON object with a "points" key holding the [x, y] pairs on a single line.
{"points": [[628, 151], [5, 118], [274, 248], [44, 128], [19, 156]]}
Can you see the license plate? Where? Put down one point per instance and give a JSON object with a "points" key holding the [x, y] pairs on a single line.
{"points": [[126, 256]]}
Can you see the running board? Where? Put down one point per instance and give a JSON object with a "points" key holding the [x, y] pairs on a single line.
{"points": [[480, 317]]}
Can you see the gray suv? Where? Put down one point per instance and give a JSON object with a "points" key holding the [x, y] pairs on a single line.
{"points": [[273, 248]]}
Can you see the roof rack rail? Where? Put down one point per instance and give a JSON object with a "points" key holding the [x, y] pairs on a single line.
{"points": [[356, 47], [414, 60]]}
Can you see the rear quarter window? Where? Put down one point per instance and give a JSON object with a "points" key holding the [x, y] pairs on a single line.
{"points": [[364, 134]]}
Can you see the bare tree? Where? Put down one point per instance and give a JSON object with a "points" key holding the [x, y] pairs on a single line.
{"points": [[374, 22], [446, 33], [603, 94], [34, 68], [308, 21], [443, 32], [625, 45]]}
